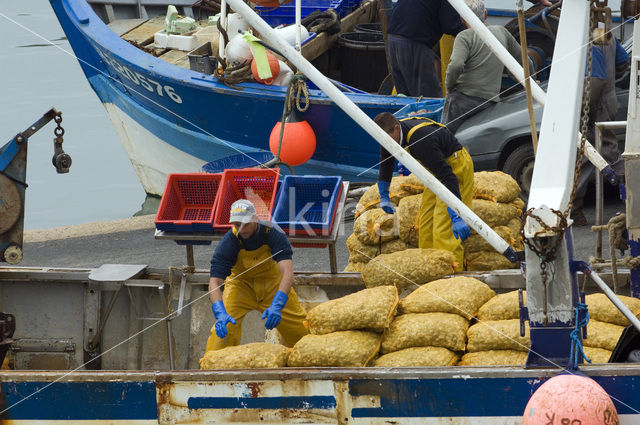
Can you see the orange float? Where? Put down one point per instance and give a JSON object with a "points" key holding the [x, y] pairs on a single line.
{"points": [[298, 140], [572, 400], [274, 65]]}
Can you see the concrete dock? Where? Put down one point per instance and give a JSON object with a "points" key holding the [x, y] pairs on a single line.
{"points": [[131, 241]]}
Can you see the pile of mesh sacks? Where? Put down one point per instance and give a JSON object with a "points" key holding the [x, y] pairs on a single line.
{"points": [[376, 233], [446, 322], [496, 202]]}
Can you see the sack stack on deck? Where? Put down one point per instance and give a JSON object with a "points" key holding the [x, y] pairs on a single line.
{"points": [[432, 323], [257, 355], [346, 332], [605, 326], [495, 339], [374, 231], [497, 203]]}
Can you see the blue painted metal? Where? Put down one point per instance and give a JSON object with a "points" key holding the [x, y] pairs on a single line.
{"points": [[634, 246], [80, 400], [8, 153], [301, 402], [152, 90]]}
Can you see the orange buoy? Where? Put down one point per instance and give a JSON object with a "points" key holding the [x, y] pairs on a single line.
{"points": [[570, 399], [273, 64], [298, 140], [270, 3]]}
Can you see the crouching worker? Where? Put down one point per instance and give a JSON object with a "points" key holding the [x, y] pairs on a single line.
{"points": [[253, 261], [437, 149]]}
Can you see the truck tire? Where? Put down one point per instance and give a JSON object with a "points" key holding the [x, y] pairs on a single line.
{"points": [[519, 164]]}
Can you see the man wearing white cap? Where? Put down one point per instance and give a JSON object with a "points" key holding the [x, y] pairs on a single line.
{"points": [[253, 261]]}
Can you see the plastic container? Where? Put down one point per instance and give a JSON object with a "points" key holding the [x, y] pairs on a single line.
{"points": [[259, 185], [307, 204], [374, 27], [429, 108], [188, 203], [285, 15], [362, 59]]}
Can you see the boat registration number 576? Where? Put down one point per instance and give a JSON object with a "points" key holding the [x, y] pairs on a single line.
{"points": [[140, 80]]}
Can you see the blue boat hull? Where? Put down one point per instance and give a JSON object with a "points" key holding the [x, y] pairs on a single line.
{"points": [[171, 119], [455, 395]]}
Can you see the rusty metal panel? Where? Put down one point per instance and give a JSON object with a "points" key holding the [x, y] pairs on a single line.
{"points": [[247, 402]]}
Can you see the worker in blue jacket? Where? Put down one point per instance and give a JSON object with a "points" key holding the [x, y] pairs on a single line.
{"points": [[254, 262], [437, 149], [608, 59]]}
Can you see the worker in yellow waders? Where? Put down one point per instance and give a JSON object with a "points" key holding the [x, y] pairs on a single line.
{"points": [[253, 261], [437, 149]]}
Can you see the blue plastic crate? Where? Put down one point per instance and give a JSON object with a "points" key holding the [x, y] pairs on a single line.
{"points": [[433, 108], [286, 14], [315, 198]]}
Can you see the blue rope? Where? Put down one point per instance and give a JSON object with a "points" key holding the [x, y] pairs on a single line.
{"points": [[582, 318]]}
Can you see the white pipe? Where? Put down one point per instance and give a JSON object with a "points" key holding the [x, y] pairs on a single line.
{"points": [[615, 300], [298, 24], [223, 24], [370, 127], [515, 68]]}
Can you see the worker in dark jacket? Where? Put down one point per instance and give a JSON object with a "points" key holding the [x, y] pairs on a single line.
{"points": [[439, 152], [414, 29], [254, 262], [608, 59]]}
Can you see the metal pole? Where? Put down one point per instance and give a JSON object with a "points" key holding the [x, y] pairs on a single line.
{"points": [[615, 300], [632, 163], [223, 24], [372, 128], [298, 24], [527, 81], [599, 196]]}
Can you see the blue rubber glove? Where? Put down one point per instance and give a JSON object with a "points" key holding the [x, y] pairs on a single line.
{"points": [[460, 229], [403, 170], [385, 202], [273, 313], [222, 318]]}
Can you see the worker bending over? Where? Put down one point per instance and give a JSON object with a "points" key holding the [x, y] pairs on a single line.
{"points": [[439, 152], [253, 261], [474, 74]]}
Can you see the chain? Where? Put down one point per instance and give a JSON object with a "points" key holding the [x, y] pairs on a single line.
{"points": [[584, 119], [58, 131]]}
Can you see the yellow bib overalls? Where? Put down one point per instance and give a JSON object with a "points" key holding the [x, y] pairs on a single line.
{"points": [[253, 282], [434, 221]]}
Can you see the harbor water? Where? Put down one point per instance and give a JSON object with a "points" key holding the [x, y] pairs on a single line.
{"points": [[38, 71]]}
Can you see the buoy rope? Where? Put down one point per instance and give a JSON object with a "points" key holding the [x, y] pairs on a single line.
{"points": [[582, 318]]}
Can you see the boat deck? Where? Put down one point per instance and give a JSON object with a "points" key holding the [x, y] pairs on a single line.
{"points": [[140, 33]]}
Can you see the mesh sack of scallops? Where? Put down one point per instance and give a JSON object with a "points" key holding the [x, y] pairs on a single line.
{"points": [[497, 335], [494, 358], [460, 295], [257, 355], [408, 268], [426, 330], [418, 357], [336, 349], [371, 309]]}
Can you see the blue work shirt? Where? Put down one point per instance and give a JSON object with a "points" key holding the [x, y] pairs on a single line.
{"points": [[226, 253], [598, 63]]}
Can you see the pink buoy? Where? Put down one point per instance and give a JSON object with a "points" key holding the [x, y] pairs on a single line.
{"points": [[570, 400]]}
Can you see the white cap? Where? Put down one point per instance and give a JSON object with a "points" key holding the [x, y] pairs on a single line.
{"points": [[242, 211]]}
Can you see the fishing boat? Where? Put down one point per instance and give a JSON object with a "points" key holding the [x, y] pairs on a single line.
{"points": [[173, 119]]}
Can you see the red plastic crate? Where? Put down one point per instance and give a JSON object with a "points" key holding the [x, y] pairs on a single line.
{"points": [[188, 202], [258, 185]]}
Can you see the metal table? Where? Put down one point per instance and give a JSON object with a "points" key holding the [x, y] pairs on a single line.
{"points": [[309, 241]]}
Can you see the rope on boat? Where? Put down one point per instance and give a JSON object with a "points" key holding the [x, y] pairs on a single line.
{"points": [[582, 318]]}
